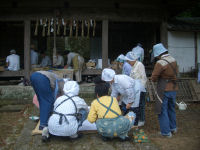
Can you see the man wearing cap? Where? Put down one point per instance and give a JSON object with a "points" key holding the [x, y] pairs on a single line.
{"points": [[128, 89], [138, 73], [165, 73], [13, 61]]}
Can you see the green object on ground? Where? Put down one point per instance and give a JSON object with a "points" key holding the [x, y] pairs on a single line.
{"points": [[140, 136]]}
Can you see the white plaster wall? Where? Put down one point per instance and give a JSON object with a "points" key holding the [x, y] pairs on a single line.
{"points": [[181, 47]]}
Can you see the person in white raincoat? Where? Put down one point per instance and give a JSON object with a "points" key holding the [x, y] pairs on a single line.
{"points": [[63, 121], [138, 72], [125, 89], [139, 52]]}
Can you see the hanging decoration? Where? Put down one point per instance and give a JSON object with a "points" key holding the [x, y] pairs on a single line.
{"points": [[70, 28], [52, 25], [94, 26], [49, 26], [66, 25], [44, 25], [77, 29], [59, 23], [82, 28], [36, 28], [88, 29]]}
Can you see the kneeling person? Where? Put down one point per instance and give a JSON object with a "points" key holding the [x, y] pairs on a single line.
{"points": [[106, 113], [69, 112]]}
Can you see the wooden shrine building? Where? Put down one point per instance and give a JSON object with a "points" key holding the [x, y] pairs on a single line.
{"points": [[109, 27]]}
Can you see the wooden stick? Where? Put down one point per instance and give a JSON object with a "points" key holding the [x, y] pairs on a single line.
{"points": [[156, 93], [36, 131]]}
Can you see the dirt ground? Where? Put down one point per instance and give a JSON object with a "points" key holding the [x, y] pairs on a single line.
{"points": [[187, 137]]}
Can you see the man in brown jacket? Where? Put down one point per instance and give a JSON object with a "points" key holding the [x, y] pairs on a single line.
{"points": [[165, 73]]}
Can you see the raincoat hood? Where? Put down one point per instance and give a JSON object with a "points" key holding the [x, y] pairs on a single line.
{"points": [[71, 88]]}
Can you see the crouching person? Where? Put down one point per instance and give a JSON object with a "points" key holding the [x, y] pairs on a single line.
{"points": [[69, 112], [106, 113]]}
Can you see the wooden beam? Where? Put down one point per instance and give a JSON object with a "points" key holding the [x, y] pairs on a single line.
{"points": [[91, 72], [27, 55], [19, 73], [164, 34], [105, 44]]}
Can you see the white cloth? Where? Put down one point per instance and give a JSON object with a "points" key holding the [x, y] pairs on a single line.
{"points": [[67, 107], [128, 88], [13, 61], [107, 74], [59, 61], [139, 52], [34, 57], [46, 61], [138, 72]]}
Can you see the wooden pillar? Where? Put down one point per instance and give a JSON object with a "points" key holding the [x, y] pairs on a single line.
{"points": [[164, 34], [27, 53], [105, 43], [195, 48]]}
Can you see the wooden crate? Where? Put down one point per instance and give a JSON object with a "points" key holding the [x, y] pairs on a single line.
{"points": [[64, 73]]}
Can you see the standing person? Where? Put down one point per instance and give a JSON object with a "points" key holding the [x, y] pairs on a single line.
{"points": [[34, 55], [165, 73], [46, 86], [139, 52], [120, 60], [125, 89], [138, 72], [77, 61], [13, 61], [69, 112], [126, 68], [46, 61], [106, 113], [59, 61]]}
